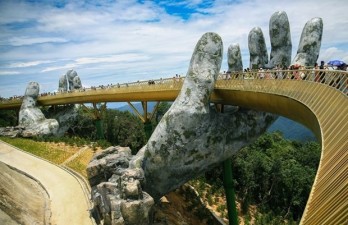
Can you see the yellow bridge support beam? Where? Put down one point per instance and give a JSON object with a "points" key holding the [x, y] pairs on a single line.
{"points": [[145, 117]]}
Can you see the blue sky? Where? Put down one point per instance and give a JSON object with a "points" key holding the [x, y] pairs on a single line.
{"points": [[123, 41]]}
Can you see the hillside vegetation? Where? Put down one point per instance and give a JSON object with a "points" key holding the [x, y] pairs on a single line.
{"points": [[272, 177]]}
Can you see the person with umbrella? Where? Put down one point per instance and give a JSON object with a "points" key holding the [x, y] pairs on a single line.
{"points": [[340, 65], [336, 62]]}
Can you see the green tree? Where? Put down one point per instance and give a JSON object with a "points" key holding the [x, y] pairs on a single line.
{"points": [[161, 110], [125, 129], [276, 174], [8, 118], [84, 125]]}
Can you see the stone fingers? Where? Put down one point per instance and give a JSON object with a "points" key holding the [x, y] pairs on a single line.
{"points": [[257, 48], [279, 32], [310, 42], [234, 58]]}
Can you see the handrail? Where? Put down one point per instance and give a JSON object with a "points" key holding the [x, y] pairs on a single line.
{"points": [[334, 78]]}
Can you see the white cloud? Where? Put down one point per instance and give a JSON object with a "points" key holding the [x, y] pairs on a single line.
{"points": [[334, 53], [135, 41], [28, 64], [19, 41], [112, 59], [122, 58], [4, 72], [62, 67]]}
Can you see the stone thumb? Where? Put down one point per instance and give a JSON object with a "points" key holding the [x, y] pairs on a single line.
{"points": [[203, 71]]}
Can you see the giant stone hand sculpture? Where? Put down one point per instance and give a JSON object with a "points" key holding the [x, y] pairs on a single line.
{"points": [[190, 139], [31, 117], [69, 81]]}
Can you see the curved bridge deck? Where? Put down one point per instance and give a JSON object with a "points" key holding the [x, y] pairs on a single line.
{"points": [[320, 103]]}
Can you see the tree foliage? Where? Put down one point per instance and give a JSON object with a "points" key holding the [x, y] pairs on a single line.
{"points": [[8, 118], [276, 174], [119, 128], [125, 129], [84, 125], [161, 110]]}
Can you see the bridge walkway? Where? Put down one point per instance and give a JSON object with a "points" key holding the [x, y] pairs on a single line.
{"points": [[320, 103]]}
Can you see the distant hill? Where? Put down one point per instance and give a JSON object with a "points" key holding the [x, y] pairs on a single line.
{"points": [[290, 129], [138, 106]]}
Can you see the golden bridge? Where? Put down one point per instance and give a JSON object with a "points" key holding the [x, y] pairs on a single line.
{"points": [[318, 102]]}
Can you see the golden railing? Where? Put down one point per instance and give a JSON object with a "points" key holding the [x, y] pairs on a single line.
{"points": [[167, 89], [316, 98]]}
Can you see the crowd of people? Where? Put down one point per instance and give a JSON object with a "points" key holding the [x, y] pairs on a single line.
{"points": [[294, 72], [317, 73]]}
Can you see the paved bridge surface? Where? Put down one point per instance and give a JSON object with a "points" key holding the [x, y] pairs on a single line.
{"points": [[318, 102]]}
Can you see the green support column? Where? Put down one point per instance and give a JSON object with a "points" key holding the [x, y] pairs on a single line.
{"points": [[230, 195], [99, 126], [98, 111], [148, 129], [228, 184]]}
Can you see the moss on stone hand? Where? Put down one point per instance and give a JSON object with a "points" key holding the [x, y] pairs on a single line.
{"points": [[188, 92], [189, 133]]}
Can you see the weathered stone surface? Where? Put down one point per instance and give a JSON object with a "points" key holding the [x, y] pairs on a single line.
{"points": [[69, 81], [11, 131], [104, 164], [63, 84], [65, 115], [279, 29], [137, 212], [70, 75], [192, 138], [77, 83], [117, 189], [132, 189], [31, 117], [234, 58], [310, 42], [279, 32], [257, 48]]}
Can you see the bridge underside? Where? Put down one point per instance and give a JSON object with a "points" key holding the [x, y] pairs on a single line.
{"points": [[276, 104]]}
